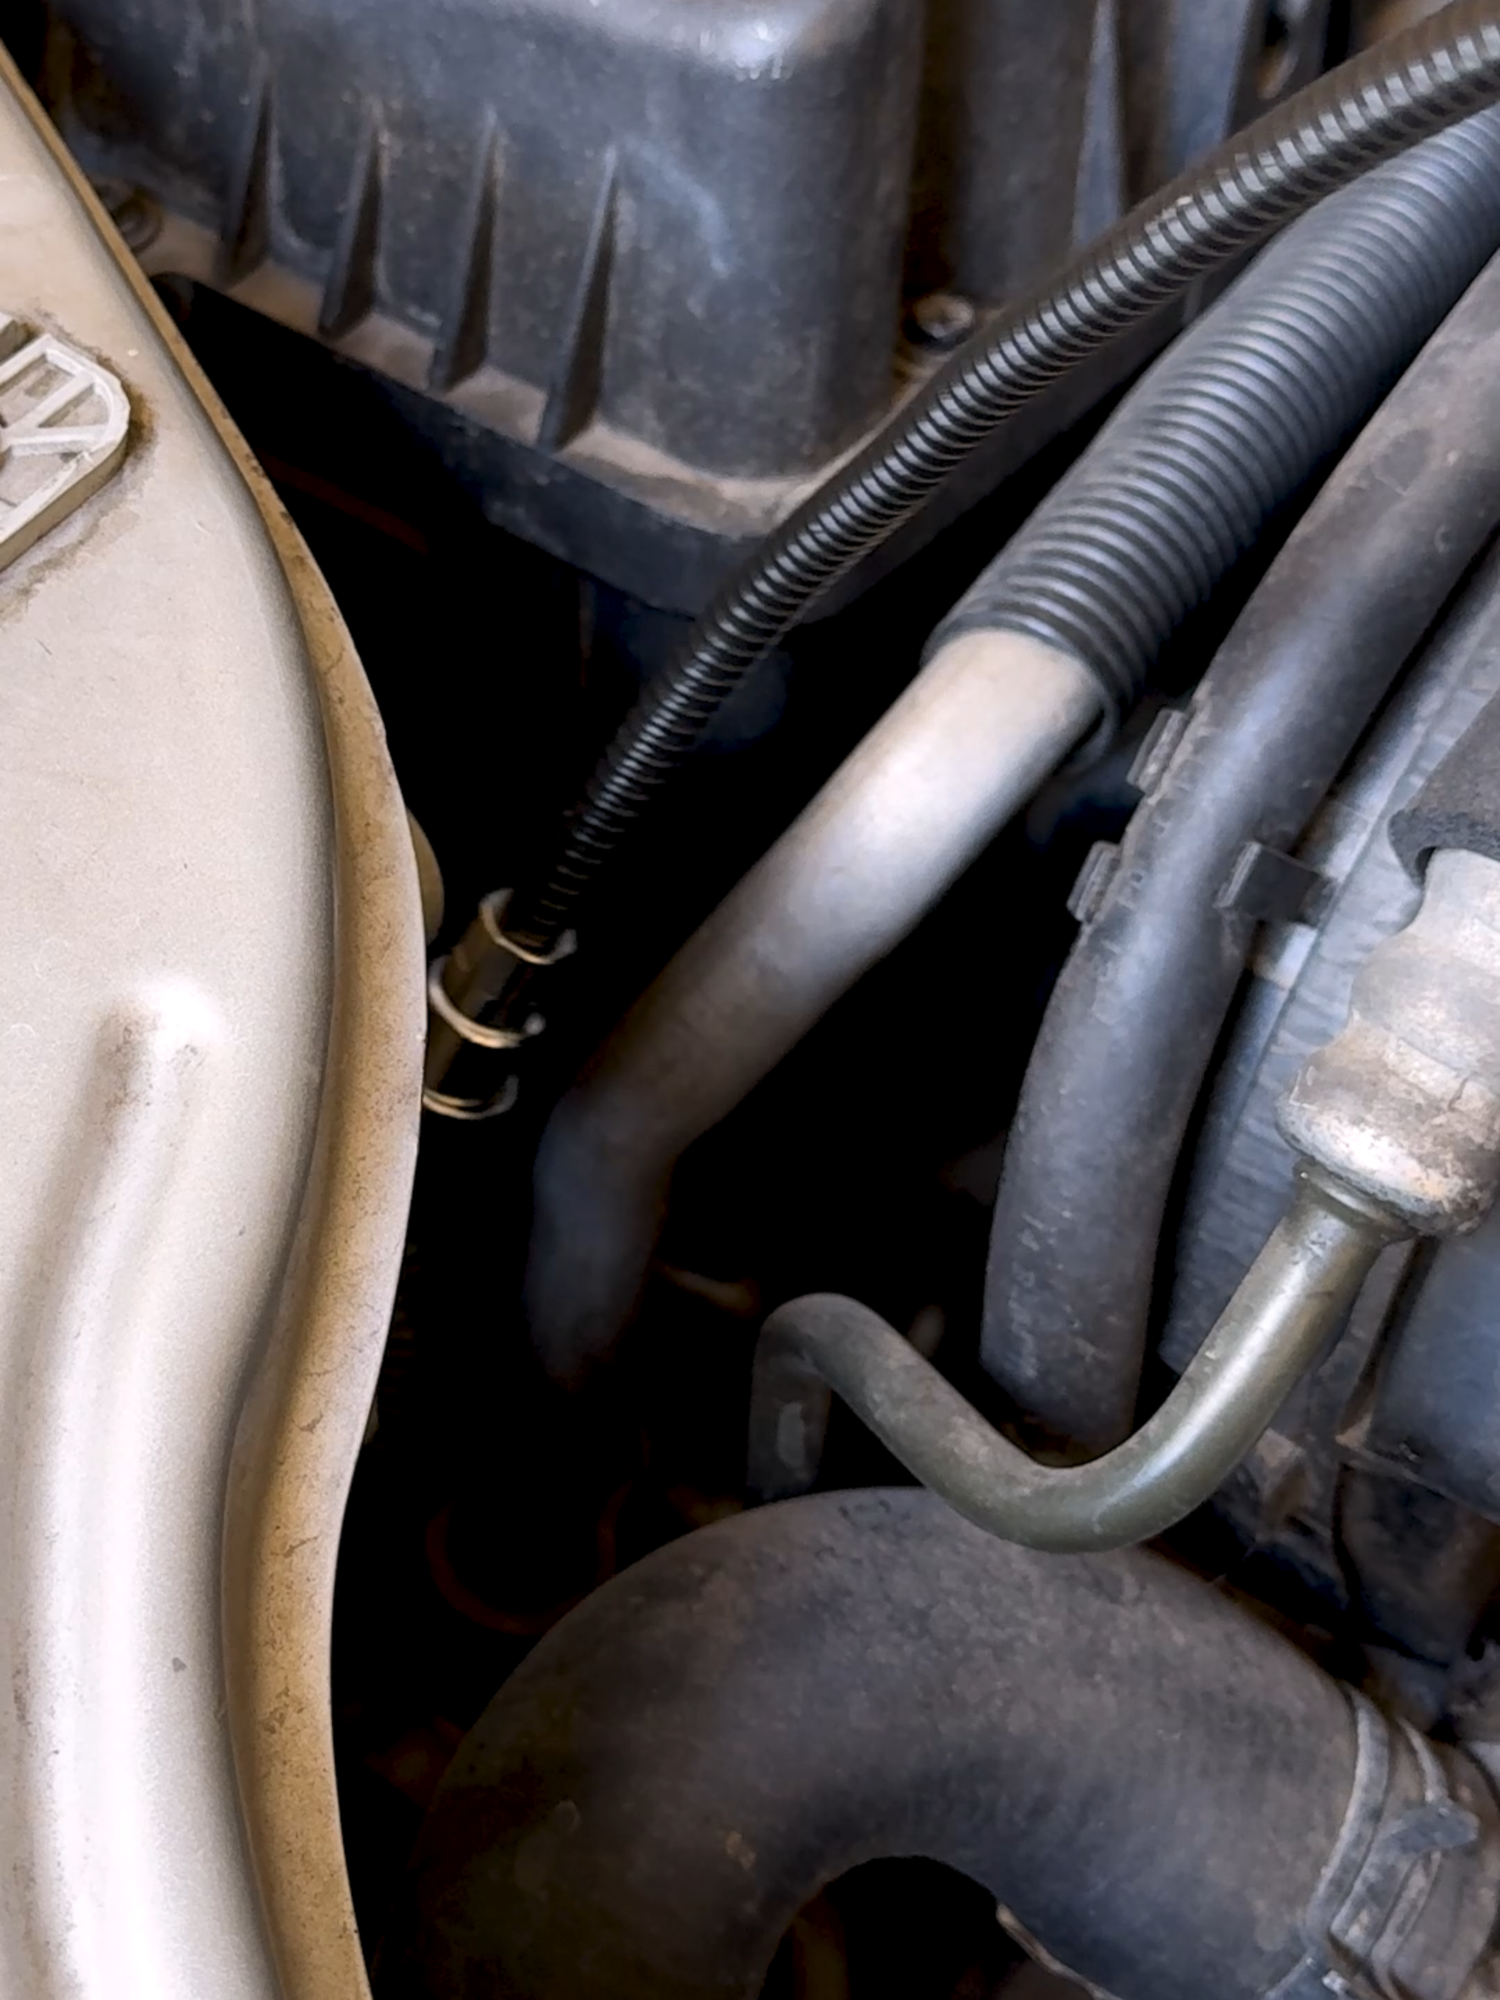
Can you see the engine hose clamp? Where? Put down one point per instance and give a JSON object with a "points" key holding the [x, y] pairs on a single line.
{"points": [[473, 1110], [447, 1009], [1381, 1873], [464, 1025], [484, 962], [493, 907]]}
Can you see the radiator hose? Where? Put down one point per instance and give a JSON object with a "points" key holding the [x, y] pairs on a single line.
{"points": [[1160, 1789], [1426, 78]]}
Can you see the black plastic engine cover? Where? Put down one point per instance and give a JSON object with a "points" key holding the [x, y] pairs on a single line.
{"points": [[638, 266]]}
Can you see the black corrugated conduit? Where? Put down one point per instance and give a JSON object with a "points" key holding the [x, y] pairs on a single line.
{"points": [[1427, 78]]}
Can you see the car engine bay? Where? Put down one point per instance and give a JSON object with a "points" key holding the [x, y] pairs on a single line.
{"points": [[752, 1025]]}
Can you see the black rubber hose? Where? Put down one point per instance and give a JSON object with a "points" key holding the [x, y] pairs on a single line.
{"points": [[1459, 805], [1241, 412], [1133, 1023], [1149, 1780], [1426, 78]]}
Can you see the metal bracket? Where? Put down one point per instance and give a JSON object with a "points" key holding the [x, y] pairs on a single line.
{"points": [[1095, 880], [1157, 749], [1272, 887]]}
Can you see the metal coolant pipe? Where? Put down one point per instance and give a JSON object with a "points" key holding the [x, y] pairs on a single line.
{"points": [[964, 748]]}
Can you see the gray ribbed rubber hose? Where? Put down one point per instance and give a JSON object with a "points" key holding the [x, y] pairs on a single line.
{"points": [[1185, 479], [1416, 83]]}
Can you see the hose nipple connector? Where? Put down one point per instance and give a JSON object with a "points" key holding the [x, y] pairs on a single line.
{"points": [[1402, 1107], [480, 1007]]}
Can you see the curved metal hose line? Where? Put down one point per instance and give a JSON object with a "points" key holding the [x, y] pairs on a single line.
{"points": [[1418, 82], [1290, 1302]]}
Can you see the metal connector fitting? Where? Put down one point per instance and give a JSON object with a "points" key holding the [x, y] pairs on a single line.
{"points": [[1403, 1106], [466, 992]]}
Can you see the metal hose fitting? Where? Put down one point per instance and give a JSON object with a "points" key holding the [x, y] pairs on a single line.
{"points": [[1404, 1103]]}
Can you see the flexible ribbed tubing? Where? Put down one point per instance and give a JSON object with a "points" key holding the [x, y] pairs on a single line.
{"points": [[1416, 83], [1224, 430]]}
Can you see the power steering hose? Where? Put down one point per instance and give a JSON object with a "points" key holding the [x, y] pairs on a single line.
{"points": [[1416, 83], [1398, 1120]]}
